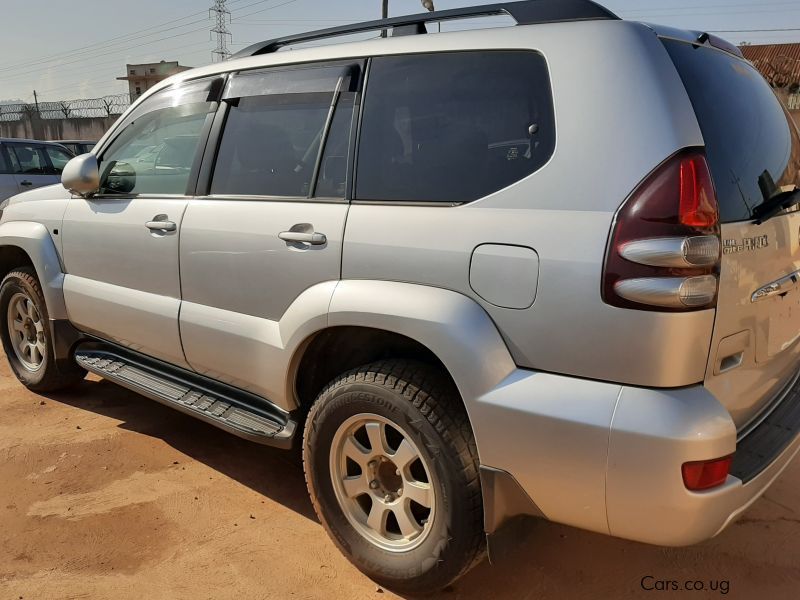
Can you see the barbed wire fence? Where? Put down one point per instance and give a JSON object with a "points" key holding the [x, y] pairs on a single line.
{"points": [[107, 106]]}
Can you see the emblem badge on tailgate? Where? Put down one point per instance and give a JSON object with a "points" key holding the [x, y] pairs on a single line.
{"points": [[747, 244]]}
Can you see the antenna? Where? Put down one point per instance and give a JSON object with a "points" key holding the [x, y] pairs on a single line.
{"points": [[223, 15]]}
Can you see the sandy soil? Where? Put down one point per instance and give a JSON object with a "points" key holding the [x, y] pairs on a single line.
{"points": [[104, 494]]}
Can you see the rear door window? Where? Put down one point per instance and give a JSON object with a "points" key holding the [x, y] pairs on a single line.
{"points": [[453, 127], [752, 145], [276, 126]]}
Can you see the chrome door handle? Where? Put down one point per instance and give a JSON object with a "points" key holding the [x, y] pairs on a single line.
{"points": [[777, 287], [161, 226], [315, 239]]}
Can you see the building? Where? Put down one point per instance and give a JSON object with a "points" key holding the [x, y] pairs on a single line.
{"points": [[142, 77], [780, 65]]}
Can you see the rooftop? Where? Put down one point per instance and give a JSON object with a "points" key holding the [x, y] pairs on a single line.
{"points": [[779, 63]]}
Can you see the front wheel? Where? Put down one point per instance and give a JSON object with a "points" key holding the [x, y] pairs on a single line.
{"points": [[26, 335], [392, 470]]}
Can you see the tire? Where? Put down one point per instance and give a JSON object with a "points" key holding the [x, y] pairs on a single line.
{"points": [[419, 409], [22, 304]]}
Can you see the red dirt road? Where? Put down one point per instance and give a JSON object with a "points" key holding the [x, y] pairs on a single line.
{"points": [[104, 494]]}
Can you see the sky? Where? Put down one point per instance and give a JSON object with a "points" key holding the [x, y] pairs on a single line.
{"points": [[68, 50]]}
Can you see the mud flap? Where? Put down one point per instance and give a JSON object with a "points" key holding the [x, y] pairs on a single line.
{"points": [[506, 508]]}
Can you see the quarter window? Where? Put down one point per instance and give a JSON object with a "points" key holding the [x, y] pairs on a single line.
{"points": [[156, 150], [453, 127]]}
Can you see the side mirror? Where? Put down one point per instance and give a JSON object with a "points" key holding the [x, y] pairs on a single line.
{"points": [[81, 175], [121, 178]]}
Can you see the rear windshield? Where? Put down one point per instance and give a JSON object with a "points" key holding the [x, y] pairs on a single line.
{"points": [[752, 145]]}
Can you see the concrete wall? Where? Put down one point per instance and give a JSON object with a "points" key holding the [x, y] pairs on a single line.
{"points": [[33, 127]]}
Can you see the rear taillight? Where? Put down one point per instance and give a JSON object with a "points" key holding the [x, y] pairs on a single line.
{"points": [[706, 474], [664, 250]]}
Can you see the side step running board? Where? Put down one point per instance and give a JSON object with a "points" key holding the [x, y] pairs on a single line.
{"points": [[235, 411]]}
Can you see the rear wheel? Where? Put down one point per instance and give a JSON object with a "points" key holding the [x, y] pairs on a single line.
{"points": [[26, 335], [392, 470]]}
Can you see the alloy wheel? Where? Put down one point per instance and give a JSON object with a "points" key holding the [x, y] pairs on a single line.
{"points": [[26, 330], [382, 483]]}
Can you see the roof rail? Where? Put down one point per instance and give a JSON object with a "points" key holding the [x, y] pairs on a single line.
{"points": [[526, 12]]}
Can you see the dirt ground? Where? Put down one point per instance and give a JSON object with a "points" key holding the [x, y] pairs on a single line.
{"points": [[104, 494]]}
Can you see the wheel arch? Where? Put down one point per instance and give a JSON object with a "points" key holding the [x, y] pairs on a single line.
{"points": [[433, 325], [13, 257], [334, 350], [32, 241]]}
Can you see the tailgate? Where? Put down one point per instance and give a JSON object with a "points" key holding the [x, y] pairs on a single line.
{"points": [[754, 353], [753, 150]]}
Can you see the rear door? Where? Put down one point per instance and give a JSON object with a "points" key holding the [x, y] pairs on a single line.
{"points": [[32, 168], [753, 151], [8, 181], [269, 223]]}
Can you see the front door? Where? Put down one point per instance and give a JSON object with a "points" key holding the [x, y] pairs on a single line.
{"points": [[270, 227], [121, 245]]}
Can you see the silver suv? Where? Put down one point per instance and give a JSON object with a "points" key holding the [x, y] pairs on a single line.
{"points": [[548, 269]]}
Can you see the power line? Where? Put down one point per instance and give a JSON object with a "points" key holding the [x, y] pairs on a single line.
{"points": [[86, 54], [120, 84], [249, 5], [114, 46], [750, 5], [94, 47], [272, 21], [265, 9], [82, 59], [112, 70], [651, 16], [751, 30], [109, 43]]}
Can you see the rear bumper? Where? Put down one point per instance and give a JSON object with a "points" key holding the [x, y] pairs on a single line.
{"points": [[608, 458]]}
